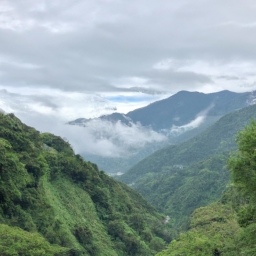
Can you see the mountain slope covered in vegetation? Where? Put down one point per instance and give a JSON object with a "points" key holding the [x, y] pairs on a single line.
{"points": [[179, 118], [218, 138], [67, 205], [226, 227], [181, 178]]}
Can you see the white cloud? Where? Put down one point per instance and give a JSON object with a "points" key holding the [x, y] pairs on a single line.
{"points": [[164, 64], [116, 139], [49, 113], [237, 24], [200, 118], [63, 106], [106, 46]]}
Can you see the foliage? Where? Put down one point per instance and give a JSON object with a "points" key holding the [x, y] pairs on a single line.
{"points": [[45, 188], [15, 241], [180, 178], [227, 227], [214, 231], [243, 167], [196, 185], [243, 163]]}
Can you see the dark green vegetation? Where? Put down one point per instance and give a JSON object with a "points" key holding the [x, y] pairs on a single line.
{"points": [[181, 178], [226, 228], [15, 241], [214, 230], [64, 205]]}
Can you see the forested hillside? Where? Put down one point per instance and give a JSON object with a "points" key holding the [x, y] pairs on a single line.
{"points": [[52, 202], [220, 137], [226, 227], [180, 178]]}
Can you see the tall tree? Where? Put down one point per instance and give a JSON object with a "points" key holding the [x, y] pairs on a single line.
{"points": [[243, 167]]}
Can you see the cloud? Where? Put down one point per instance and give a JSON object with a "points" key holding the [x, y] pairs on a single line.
{"points": [[115, 139], [200, 118], [57, 104], [51, 113], [94, 46]]}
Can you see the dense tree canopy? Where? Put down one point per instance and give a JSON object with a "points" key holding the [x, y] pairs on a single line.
{"points": [[63, 204], [226, 228]]}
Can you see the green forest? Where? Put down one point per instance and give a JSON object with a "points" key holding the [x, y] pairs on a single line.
{"points": [[52, 202], [180, 178], [226, 227]]}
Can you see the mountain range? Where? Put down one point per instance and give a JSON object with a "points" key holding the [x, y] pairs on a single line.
{"points": [[193, 172], [53, 202], [177, 118]]}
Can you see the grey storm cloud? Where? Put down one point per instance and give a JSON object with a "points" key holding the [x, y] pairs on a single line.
{"points": [[87, 45]]}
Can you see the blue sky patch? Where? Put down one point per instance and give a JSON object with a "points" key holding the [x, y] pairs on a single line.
{"points": [[122, 98]]}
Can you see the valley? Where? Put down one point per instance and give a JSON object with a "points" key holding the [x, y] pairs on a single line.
{"points": [[127, 128], [180, 194], [165, 122]]}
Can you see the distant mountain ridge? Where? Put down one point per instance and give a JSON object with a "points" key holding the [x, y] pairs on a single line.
{"points": [[180, 109], [179, 118], [220, 137]]}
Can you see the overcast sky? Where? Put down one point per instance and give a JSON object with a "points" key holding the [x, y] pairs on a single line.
{"points": [[76, 58], [100, 46]]}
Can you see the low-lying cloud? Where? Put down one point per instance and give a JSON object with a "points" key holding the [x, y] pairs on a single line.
{"points": [[200, 118], [98, 137], [107, 138], [103, 138]]}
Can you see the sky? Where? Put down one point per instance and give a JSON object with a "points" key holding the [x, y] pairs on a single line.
{"points": [[65, 59]]}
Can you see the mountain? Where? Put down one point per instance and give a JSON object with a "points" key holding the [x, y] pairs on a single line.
{"points": [[52, 202], [178, 118], [115, 117], [226, 227], [180, 109], [180, 178], [220, 137]]}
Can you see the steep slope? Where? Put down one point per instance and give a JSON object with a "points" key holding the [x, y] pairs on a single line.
{"points": [[226, 227], [214, 230], [45, 188], [181, 178]]}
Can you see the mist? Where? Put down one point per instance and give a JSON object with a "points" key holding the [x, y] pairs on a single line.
{"points": [[200, 118], [51, 114]]}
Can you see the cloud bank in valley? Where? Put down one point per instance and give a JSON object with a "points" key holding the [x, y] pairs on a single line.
{"points": [[102, 138]]}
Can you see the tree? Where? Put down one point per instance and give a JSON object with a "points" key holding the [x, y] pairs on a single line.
{"points": [[243, 168], [243, 163]]}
